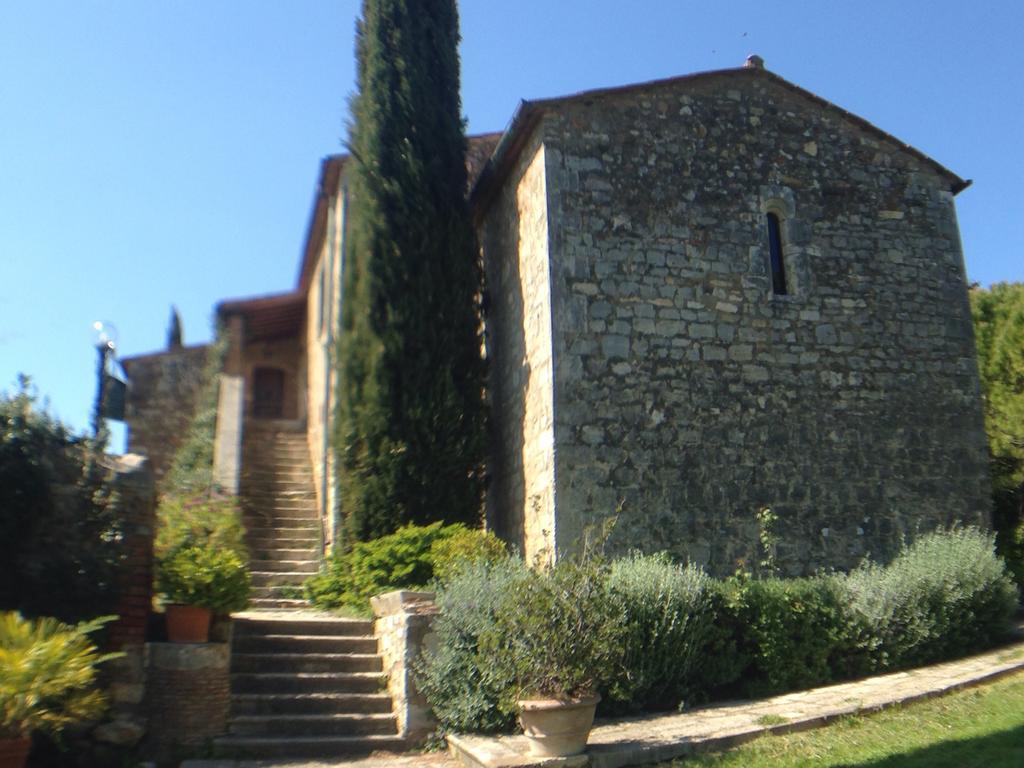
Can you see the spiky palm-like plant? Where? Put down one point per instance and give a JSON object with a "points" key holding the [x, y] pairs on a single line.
{"points": [[47, 675]]}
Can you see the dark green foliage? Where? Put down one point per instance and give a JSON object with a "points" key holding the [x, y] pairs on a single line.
{"points": [[174, 339], [998, 315], [191, 472], [409, 433], [668, 623], [470, 690], [401, 560], [59, 546], [790, 631]]}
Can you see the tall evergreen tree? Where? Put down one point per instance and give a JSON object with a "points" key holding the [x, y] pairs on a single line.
{"points": [[410, 421]]}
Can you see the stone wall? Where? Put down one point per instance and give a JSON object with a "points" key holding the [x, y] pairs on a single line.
{"points": [[162, 391], [402, 625], [323, 308], [687, 394], [514, 236]]}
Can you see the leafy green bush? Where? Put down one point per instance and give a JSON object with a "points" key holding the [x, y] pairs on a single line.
{"points": [[562, 636], [47, 675], [209, 578], [191, 471], [667, 623], [1012, 551], [60, 542], [505, 631], [450, 554], [470, 690], [946, 594], [208, 521], [790, 630], [405, 559]]}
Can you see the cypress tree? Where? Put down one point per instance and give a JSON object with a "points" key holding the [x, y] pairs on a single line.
{"points": [[409, 435]]}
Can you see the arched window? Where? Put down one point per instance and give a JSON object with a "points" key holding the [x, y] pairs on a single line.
{"points": [[778, 264]]}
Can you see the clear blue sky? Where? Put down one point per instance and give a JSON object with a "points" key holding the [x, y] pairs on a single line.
{"points": [[157, 152]]}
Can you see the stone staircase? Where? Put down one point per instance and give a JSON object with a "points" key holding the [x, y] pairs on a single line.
{"points": [[306, 685], [303, 684], [280, 513]]}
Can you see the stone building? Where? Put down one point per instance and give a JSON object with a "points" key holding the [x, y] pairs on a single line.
{"points": [[708, 295]]}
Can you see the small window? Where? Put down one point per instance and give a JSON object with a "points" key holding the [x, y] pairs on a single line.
{"points": [[778, 264]]}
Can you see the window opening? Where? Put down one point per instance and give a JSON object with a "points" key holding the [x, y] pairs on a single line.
{"points": [[775, 254]]}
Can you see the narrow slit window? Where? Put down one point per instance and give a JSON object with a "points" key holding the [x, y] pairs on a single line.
{"points": [[775, 254]]}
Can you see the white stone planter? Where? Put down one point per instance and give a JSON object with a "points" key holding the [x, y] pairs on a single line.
{"points": [[557, 727]]}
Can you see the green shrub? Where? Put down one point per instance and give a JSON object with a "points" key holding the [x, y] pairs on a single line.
{"points": [[209, 521], [947, 594], [667, 623], [1010, 545], [210, 578], [405, 559], [470, 690], [450, 554], [48, 677], [561, 634], [60, 538], [191, 470], [790, 630]]}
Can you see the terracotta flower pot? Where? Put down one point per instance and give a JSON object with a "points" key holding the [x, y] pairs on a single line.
{"points": [[14, 752], [188, 623], [557, 727]]}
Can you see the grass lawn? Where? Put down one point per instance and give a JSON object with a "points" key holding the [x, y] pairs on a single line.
{"points": [[978, 727]]}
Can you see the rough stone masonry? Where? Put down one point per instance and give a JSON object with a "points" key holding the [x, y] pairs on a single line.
{"points": [[644, 365]]}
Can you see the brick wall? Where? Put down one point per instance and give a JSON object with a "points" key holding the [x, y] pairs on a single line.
{"points": [[187, 693]]}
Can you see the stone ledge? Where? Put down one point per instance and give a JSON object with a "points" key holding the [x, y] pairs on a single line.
{"points": [[505, 752]]}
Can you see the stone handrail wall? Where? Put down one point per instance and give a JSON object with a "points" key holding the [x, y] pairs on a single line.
{"points": [[403, 629]]}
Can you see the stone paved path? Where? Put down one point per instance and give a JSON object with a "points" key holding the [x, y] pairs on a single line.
{"points": [[652, 738]]}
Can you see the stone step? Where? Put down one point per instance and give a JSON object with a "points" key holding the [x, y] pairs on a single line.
{"points": [[265, 488], [275, 592], [295, 554], [305, 662], [271, 537], [280, 469], [269, 456], [268, 512], [253, 522], [303, 644], [310, 704], [277, 604], [313, 725], [305, 747], [278, 578], [262, 542], [328, 626], [308, 566], [281, 683]]}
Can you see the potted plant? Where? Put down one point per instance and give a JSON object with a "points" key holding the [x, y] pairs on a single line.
{"points": [[562, 638], [47, 680], [196, 582]]}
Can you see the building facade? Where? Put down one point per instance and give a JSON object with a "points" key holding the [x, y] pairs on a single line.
{"points": [[707, 296]]}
